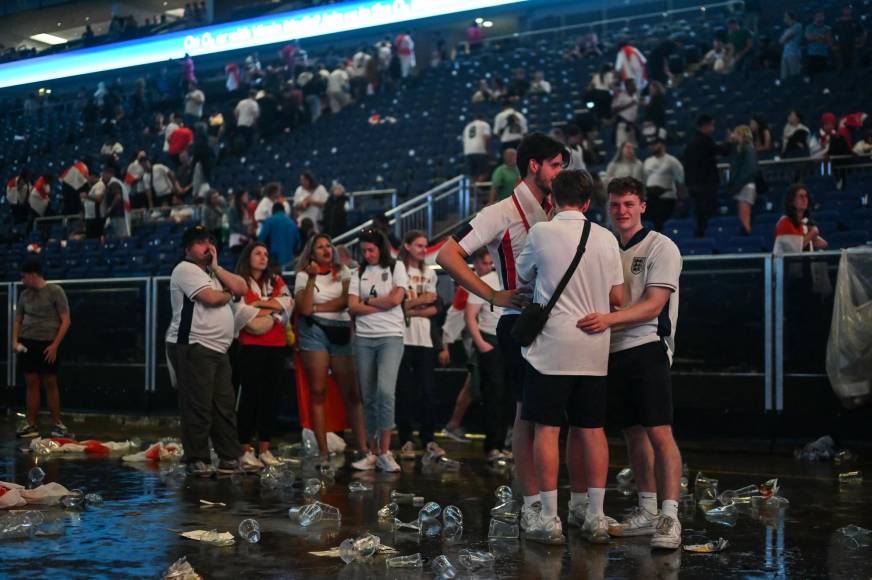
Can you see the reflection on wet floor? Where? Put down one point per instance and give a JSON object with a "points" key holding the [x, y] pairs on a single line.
{"points": [[134, 532]]}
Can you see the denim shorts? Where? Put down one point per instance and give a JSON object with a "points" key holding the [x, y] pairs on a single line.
{"points": [[310, 337]]}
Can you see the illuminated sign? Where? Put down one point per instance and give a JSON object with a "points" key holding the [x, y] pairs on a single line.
{"points": [[242, 34]]}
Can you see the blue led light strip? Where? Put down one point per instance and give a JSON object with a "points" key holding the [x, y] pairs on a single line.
{"points": [[242, 34]]}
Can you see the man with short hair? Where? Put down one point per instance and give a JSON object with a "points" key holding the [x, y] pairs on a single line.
{"points": [[42, 319], [642, 344], [502, 228], [197, 342], [194, 101], [566, 371], [741, 43], [476, 144], [791, 53], [700, 161], [247, 113], [664, 177], [281, 234], [505, 177], [819, 38]]}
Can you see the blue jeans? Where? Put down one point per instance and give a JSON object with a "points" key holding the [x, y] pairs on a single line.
{"points": [[378, 361]]}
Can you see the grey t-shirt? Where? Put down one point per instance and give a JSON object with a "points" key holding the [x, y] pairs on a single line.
{"points": [[41, 310]]}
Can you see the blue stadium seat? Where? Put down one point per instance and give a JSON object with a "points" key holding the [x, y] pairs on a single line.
{"points": [[849, 239], [743, 245], [697, 247]]}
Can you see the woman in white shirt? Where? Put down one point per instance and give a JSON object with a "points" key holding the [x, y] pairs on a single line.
{"points": [[625, 164], [324, 335], [309, 200], [375, 299], [416, 386]]}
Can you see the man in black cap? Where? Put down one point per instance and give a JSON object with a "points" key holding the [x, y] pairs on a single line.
{"points": [[197, 342]]}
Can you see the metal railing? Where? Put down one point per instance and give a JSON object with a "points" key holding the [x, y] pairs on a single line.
{"points": [[367, 194]]}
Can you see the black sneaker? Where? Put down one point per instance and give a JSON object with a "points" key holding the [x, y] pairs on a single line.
{"points": [[228, 467], [199, 468], [60, 431], [27, 431]]}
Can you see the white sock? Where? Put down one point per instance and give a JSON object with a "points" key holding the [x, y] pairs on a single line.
{"points": [[578, 499], [549, 503], [529, 500], [597, 495], [670, 508], [648, 502]]}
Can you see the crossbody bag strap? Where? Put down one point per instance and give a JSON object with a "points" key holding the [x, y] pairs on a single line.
{"points": [[582, 245]]}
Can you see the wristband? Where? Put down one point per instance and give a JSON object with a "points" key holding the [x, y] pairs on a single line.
{"points": [[493, 296]]}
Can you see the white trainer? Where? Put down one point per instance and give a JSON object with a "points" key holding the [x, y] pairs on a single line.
{"points": [[434, 451], [639, 522], [268, 459], [546, 531], [667, 534], [575, 517], [248, 462], [386, 462], [529, 515], [596, 530], [365, 464], [407, 451]]}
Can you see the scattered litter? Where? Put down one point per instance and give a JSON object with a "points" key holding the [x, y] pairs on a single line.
{"points": [[156, 452], [359, 549], [48, 446], [389, 512], [704, 488], [314, 513], [22, 524], [442, 567], [212, 537], [249, 530], [36, 475], [401, 498], [744, 495], [625, 476], [399, 525], [275, 477], [851, 477], [205, 504], [844, 456], [855, 536], [359, 487], [75, 500], [474, 560], [182, 570], [500, 530], [312, 487], [413, 561], [821, 449], [503, 493], [92, 499], [452, 516], [718, 545], [507, 511], [724, 515], [381, 549]]}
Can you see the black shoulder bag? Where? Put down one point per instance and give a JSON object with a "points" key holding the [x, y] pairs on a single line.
{"points": [[534, 317]]}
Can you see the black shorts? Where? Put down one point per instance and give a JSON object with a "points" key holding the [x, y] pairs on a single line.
{"points": [[33, 361], [513, 360], [640, 386], [550, 398], [477, 164]]}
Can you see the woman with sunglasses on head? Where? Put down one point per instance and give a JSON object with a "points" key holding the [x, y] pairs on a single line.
{"points": [[324, 335], [262, 344], [375, 299]]}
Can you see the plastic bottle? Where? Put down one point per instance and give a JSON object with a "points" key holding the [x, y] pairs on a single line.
{"points": [[35, 476], [503, 493]]}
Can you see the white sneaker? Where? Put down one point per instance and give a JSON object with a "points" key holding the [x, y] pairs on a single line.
{"points": [[268, 459], [667, 534], [434, 451], [596, 530], [335, 444], [639, 522], [248, 462], [310, 443], [529, 515], [386, 462], [544, 531], [457, 434], [576, 515], [407, 451], [365, 464]]}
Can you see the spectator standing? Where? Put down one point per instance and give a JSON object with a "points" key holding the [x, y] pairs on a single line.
{"points": [[718, 58], [95, 202], [138, 180], [247, 113], [324, 336], [791, 53], [381, 223], [510, 126], [476, 144], [743, 174], [599, 92], [740, 45], [474, 37], [625, 108], [819, 39], [40, 196], [335, 210], [42, 319], [540, 86], [163, 181], [194, 101], [625, 164], [241, 220], [309, 199], [74, 182], [233, 81], [505, 177], [261, 356], [415, 392], [179, 141], [700, 161], [338, 87], [175, 123], [796, 231], [272, 193], [197, 342], [795, 136], [375, 299], [664, 176], [519, 86], [483, 94], [188, 75], [630, 63], [655, 108], [117, 208], [848, 34], [18, 195], [566, 372], [281, 236], [658, 61], [111, 151], [762, 134], [212, 216], [405, 48]]}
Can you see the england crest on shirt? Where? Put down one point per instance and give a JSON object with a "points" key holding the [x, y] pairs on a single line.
{"points": [[638, 265]]}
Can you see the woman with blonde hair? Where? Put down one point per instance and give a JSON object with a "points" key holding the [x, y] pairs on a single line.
{"points": [[625, 164], [743, 173], [324, 335]]}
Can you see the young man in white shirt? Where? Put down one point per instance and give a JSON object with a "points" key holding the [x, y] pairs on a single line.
{"points": [[510, 126], [566, 374], [502, 228], [664, 177], [310, 198], [247, 113], [476, 143], [642, 344], [194, 101], [198, 339]]}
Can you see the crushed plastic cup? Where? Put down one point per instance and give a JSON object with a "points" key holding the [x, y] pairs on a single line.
{"points": [[181, 570], [430, 510], [276, 477], [35, 476], [855, 537], [507, 511], [442, 567], [500, 530], [74, 501], [413, 561], [92, 499], [312, 487], [389, 512], [704, 488], [452, 533], [503, 493], [401, 525], [429, 527], [744, 494], [359, 487], [249, 530], [718, 545], [20, 524], [821, 449], [625, 476], [314, 513], [452, 516], [474, 560], [851, 477], [448, 464], [358, 549], [844, 456], [401, 497], [724, 515]]}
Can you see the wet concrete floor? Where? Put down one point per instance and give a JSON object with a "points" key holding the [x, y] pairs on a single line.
{"points": [[131, 535]]}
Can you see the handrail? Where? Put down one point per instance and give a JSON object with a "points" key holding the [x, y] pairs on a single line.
{"points": [[371, 193]]}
